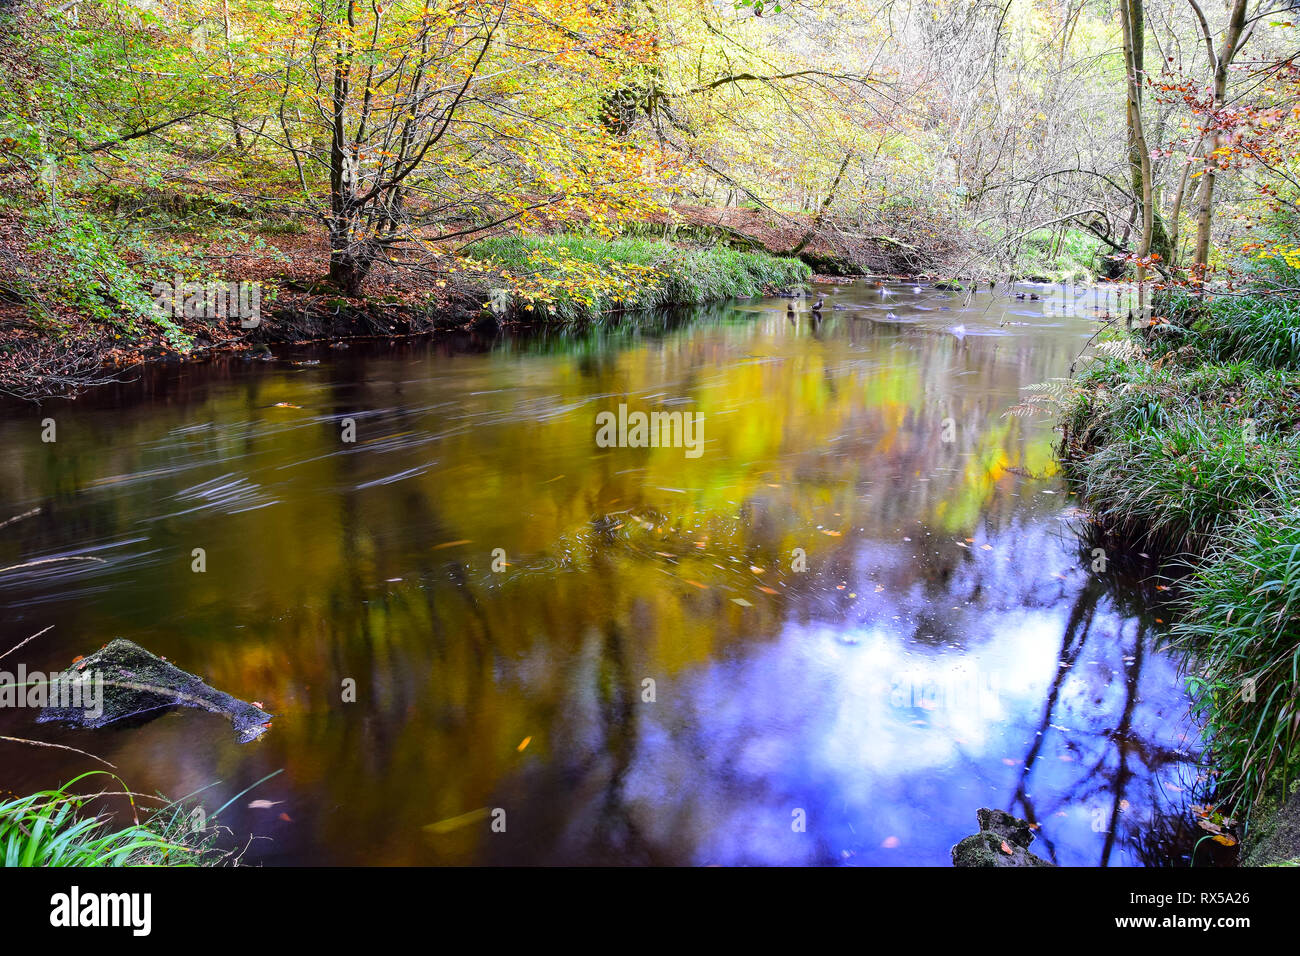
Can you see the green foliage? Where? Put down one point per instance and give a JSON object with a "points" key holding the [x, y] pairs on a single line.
{"points": [[1121, 397], [572, 278], [1248, 328], [1171, 486], [1241, 623], [52, 828], [1072, 254], [1187, 439], [81, 266]]}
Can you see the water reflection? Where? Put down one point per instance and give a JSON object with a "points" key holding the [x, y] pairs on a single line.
{"points": [[686, 693]]}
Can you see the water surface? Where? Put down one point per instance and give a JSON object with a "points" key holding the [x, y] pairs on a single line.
{"points": [[860, 614]]}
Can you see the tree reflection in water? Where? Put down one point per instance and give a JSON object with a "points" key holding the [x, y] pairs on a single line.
{"points": [[948, 648]]}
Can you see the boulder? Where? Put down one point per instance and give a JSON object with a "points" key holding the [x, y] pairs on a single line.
{"points": [[1274, 835], [137, 684], [1003, 840]]}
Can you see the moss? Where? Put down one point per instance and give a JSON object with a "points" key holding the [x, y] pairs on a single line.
{"points": [[139, 685], [1274, 835], [1003, 840]]}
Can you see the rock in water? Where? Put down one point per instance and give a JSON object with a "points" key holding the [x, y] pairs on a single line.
{"points": [[139, 684], [1003, 840]]}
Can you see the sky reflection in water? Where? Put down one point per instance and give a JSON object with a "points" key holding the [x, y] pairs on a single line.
{"points": [[949, 646]]}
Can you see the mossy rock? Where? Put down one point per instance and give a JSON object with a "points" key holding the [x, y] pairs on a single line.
{"points": [[1003, 840], [140, 685], [829, 264], [1274, 836]]}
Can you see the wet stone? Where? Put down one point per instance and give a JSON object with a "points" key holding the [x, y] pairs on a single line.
{"points": [[139, 686], [1003, 840]]}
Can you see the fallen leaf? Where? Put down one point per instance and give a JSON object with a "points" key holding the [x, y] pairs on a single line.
{"points": [[455, 823]]}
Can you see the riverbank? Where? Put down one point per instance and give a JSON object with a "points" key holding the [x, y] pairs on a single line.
{"points": [[1183, 441], [61, 828], [83, 296]]}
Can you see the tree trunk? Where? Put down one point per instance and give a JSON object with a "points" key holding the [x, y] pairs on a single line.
{"points": [[821, 213], [1130, 14], [350, 267], [1205, 207]]}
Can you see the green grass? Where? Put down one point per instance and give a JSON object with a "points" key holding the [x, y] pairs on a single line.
{"points": [[1168, 455], [1075, 254], [1185, 441], [55, 828], [572, 278], [1171, 488], [1261, 330], [1241, 621]]}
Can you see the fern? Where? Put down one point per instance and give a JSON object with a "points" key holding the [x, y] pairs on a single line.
{"points": [[1050, 397], [1122, 349]]}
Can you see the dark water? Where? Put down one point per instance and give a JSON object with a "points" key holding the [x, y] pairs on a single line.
{"points": [[949, 645]]}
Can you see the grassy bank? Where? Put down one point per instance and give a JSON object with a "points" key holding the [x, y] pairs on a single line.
{"points": [[81, 297], [573, 278], [1183, 440], [57, 828]]}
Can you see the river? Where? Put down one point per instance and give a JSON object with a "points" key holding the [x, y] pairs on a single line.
{"points": [[859, 613]]}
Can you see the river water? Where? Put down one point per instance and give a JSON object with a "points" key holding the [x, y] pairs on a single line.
{"points": [[860, 613]]}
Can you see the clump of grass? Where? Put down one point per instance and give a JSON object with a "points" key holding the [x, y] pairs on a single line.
{"points": [[55, 828], [572, 278], [1167, 456], [1186, 440], [1263, 329], [1241, 620], [1171, 485]]}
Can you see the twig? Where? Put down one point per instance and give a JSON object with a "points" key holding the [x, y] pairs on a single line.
{"points": [[41, 743], [25, 514], [28, 641]]}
